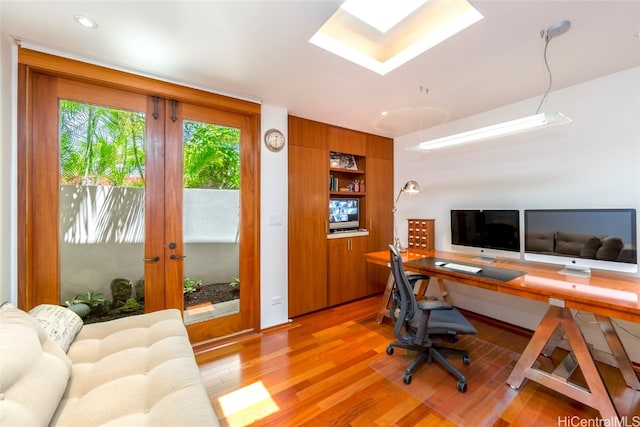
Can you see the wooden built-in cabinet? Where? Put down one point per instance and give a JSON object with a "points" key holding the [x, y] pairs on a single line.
{"points": [[347, 141], [347, 269], [322, 271], [308, 210], [379, 214]]}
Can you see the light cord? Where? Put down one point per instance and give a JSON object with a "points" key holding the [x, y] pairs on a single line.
{"points": [[546, 63]]}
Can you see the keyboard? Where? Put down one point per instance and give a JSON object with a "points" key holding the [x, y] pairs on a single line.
{"points": [[462, 267]]}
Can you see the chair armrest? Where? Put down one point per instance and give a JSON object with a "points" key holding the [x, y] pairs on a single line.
{"points": [[433, 304], [413, 278]]}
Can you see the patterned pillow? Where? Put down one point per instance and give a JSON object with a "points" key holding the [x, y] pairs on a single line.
{"points": [[60, 323]]}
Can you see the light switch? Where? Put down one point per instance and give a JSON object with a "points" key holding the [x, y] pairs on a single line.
{"points": [[275, 220]]}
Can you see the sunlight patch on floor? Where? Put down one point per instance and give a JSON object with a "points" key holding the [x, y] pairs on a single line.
{"points": [[247, 405]]}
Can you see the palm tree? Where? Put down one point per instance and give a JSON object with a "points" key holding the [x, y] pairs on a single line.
{"points": [[100, 145]]}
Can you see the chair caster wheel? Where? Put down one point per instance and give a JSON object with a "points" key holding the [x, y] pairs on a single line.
{"points": [[462, 386], [406, 378], [389, 351], [466, 359]]}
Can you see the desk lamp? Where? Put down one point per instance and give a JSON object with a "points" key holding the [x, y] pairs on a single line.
{"points": [[410, 187]]}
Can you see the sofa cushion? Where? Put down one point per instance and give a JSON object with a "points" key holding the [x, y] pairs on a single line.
{"points": [[590, 247], [611, 247], [571, 243], [135, 371], [60, 323], [540, 241], [34, 370]]}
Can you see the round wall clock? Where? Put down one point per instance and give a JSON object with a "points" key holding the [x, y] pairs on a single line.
{"points": [[274, 140]]}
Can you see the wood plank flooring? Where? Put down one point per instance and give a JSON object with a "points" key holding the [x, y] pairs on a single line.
{"points": [[316, 371]]}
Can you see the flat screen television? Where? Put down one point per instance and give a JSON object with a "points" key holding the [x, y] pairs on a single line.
{"points": [[486, 229], [581, 239], [344, 213]]}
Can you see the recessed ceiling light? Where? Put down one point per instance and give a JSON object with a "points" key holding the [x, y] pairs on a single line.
{"points": [[85, 21], [384, 113], [381, 14]]}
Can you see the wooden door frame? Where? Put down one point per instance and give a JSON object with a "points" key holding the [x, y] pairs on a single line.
{"points": [[44, 66]]}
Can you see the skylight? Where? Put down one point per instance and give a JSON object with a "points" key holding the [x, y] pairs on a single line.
{"points": [[381, 14], [418, 29]]}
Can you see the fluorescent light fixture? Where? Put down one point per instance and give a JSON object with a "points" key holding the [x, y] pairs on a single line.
{"points": [[495, 131], [429, 24], [381, 14]]}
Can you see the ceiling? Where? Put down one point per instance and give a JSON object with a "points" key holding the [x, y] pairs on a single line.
{"points": [[260, 50]]}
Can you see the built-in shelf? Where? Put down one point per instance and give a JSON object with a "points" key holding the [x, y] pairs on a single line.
{"points": [[343, 234], [347, 193], [352, 171]]}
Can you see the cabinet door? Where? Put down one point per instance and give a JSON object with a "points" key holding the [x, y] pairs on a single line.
{"points": [[308, 133], [347, 141], [308, 216], [347, 269], [379, 218]]}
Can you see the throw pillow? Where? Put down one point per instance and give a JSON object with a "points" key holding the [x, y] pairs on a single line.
{"points": [[34, 371], [61, 324], [590, 248], [611, 247]]}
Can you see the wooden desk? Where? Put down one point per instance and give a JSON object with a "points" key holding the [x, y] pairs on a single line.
{"points": [[605, 295]]}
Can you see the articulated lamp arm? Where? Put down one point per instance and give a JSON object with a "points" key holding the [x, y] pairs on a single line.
{"points": [[410, 187]]}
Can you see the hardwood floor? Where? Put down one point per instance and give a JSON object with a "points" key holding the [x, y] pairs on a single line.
{"points": [[316, 371]]}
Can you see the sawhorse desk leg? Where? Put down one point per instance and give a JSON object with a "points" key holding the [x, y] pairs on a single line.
{"points": [[544, 341]]}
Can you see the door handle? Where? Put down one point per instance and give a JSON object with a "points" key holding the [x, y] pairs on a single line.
{"points": [[177, 256], [154, 259]]}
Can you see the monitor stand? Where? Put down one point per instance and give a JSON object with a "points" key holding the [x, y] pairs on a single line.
{"points": [[486, 259], [572, 270]]}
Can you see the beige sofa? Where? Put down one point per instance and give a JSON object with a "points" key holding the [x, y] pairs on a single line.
{"points": [[135, 371], [605, 248]]}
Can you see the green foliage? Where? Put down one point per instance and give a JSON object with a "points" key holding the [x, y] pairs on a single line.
{"points": [[100, 145], [211, 156], [106, 146], [130, 305], [235, 283], [190, 285], [92, 299]]}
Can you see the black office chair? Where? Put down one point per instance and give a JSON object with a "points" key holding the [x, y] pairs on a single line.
{"points": [[419, 325]]}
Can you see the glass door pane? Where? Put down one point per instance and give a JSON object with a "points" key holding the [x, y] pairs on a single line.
{"points": [[102, 192], [211, 220]]}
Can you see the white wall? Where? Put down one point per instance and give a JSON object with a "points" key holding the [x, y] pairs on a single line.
{"points": [[273, 219], [8, 178], [592, 162]]}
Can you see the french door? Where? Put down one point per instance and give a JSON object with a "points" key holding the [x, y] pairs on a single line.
{"points": [[127, 230]]}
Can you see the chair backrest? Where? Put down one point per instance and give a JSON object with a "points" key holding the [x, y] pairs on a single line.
{"points": [[404, 299]]}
